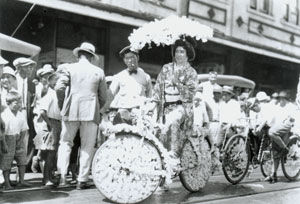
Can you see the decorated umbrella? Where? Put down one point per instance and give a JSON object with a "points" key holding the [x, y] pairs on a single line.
{"points": [[167, 31]]}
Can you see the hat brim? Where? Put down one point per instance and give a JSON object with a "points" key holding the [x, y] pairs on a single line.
{"points": [[76, 50], [24, 64], [227, 91], [126, 50], [3, 61]]}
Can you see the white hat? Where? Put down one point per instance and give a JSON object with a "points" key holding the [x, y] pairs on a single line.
{"points": [[22, 61], [9, 70], [228, 89], [198, 95], [86, 47], [217, 88], [262, 96], [3, 61], [47, 69]]}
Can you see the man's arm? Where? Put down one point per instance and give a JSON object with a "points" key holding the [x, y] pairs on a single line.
{"points": [[62, 83], [148, 91], [102, 92]]}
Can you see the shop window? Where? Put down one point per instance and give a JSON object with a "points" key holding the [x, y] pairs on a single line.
{"points": [[292, 11], [263, 6]]}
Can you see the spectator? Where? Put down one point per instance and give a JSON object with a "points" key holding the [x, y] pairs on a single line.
{"points": [[25, 68], [9, 83], [3, 145], [15, 130], [80, 109]]}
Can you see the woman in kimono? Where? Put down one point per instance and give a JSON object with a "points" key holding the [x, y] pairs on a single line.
{"points": [[173, 95]]}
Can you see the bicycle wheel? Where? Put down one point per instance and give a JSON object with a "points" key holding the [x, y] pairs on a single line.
{"points": [[266, 163], [196, 164], [291, 162], [236, 159], [125, 173]]}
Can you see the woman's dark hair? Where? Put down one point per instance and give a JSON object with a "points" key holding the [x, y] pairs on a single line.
{"points": [[188, 46]]}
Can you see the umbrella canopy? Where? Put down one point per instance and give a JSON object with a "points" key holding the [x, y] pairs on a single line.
{"points": [[167, 31], [11, 44]]}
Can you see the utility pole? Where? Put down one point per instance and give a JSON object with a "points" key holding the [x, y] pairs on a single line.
{"points": [[183, 7]]}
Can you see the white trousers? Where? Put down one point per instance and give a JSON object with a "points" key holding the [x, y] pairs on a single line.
{"points": [[88, 134]]}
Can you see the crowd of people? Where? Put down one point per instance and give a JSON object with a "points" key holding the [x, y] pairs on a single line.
{"points": [[75, 101]]}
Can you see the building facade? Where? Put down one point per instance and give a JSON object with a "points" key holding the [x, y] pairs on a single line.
{"points": [[257, 39]]}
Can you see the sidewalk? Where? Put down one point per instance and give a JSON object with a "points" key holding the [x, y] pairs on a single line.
{"points": [[36, 179]]}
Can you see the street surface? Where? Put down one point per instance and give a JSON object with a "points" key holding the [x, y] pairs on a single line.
{"points": [[253, 190]]}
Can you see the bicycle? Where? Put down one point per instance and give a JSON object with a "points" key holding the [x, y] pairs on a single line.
{"points": [[241, 149], [239, 152]]}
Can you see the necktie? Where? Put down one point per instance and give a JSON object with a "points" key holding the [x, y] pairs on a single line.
{"points": [[132, 72]]}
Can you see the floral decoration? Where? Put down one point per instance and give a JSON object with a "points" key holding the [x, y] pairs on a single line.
{"points": [[167, 31]]}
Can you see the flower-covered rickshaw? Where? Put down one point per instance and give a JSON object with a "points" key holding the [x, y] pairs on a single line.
{"points": [[132, 163]]}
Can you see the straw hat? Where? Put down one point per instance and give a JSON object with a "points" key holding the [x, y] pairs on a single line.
{"points": [[262, 96], [86, 47], [283, 94], [47, 69], [126, 50], [228, 89]]}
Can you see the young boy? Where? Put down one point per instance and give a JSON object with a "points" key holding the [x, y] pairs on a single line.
{"points": [[50, 114], [15, 129]]}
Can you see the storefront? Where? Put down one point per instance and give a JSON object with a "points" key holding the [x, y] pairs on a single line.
{"points": [[59, 28]]}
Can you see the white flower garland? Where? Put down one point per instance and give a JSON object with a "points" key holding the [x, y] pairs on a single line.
{"points": [[167, 31]]}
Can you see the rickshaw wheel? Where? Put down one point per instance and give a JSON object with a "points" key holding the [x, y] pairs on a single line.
{"points": [[125, 173], [236, 159], [196, 164], [290, 163]]}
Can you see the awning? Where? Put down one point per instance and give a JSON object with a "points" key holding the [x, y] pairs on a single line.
{"points": [[85, 10], [11, 44], [256, 50]]}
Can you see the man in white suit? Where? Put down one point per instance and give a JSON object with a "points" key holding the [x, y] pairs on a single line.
{"points": [[80, 109]]}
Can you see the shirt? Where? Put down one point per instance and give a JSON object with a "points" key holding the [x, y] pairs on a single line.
{"points": [[49, 103], [14, 124], [230, 112], [125, 85], [22, 89]]}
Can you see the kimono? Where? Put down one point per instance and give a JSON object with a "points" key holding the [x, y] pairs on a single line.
{"points": [[175, 104]]}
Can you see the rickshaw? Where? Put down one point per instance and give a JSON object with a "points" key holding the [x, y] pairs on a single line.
{"points": [[133, 163]]}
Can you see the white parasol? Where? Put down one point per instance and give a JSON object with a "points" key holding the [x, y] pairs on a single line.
{"points": [[167, 31]]}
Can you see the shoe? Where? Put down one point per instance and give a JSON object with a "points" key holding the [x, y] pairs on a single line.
{"points": [[285, 151], [49, 184], [62, 180], [269, 179], [24, 184], [275, 179], [82, 185], [237, 173]]}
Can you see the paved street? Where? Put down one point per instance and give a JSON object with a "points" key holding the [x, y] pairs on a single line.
{"points": [[251, 191]]}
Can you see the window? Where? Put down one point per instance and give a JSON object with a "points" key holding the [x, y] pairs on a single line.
{"points": [[263, 6], [253, 4], [292, 11], [266, 6]]}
